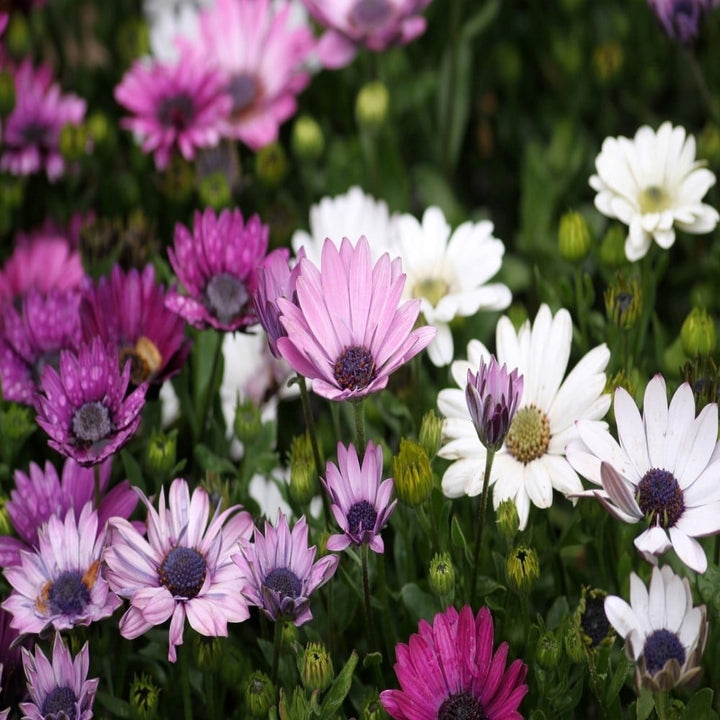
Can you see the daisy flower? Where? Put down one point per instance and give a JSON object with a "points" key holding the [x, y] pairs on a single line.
{"points": [[183, 569], [450, 670], [664, 470], [654, 185], [531, 461], [664, 634], [449, 273], [681, 19]]}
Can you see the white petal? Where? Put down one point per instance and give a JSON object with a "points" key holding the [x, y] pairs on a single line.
{"points": [[689, 550], [655, 418], [538, 485], [654, 541], [631, 432], [620, 615]]}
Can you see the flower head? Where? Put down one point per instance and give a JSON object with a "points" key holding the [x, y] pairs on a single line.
{"points": [[360, 497], [664, 634], [450, 670], [183, 569], [664, 470], [346, 331], [653, 184], [280, 571], [681, 19]]}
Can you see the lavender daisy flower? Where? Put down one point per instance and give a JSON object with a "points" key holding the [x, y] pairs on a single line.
{"points": [[449, 670], [83, 408], [360, 498], [61, 584], [183, 569], [217, 264], [346, 331], [280, 571], [59, 689], [681, 19]]}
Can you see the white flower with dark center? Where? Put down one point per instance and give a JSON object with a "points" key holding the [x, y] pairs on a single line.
{"points": [[531, 461], [664, 634], [665, 470], [653, 184]]}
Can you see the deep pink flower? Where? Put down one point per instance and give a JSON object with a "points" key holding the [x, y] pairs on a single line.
{"points": [[360, 497], [183, 569], [175, 105], [449, 670], [681, 19], [217, 266], [346, 331]]}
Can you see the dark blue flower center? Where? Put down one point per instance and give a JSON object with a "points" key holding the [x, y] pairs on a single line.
{"points": [[461, 706], [370, 14], [355, 368], [660, 498], [361, 517], [36, 133], [285, 582], [226, 296], [243, 89], [176, 112], [60, 704], [594, 621], [660, 647], [183, 572], [68, 595], [91, 422]]}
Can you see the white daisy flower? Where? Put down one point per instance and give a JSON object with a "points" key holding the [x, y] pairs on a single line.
{"points": [[665, 469], [531, 461], [653, 184], [664, 634], [449, 273]]}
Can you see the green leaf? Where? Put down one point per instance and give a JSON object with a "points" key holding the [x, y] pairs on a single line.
{"points": [[700, 706], [479, 22], [421, 605], [339, 689], [644, 705], [617, 680], [458, 539], [208, 460], [115, 705], [372, 659], [132, 469]]}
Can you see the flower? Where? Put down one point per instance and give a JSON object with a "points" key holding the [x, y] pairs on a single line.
{"points": [[449, 670], [59, 689], [346, 331], [280, 571], [176, 106], [653, 184], [31, 134], [183, 569], [680, 19], [83, 407], [531, 461], [217, 264], [449, 273], [360, 498], [374, 24], [62, 583], [665, 470], [664, 634]]}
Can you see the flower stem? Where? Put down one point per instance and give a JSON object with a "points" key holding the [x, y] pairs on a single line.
{"points": [[277, 644], [207, 406], [482, 512], [449, 109], [359, 409], [364, 551], [661, 705], [185, 682]]}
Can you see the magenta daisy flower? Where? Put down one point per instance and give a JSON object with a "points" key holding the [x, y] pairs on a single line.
{"points": [[62, 583], [84, 408], [280, 572], [449, 670], [31, 134], [217, 264], [175, 105], [346, 331], [128, 310], [183, 569], [360, 497], [59, 689]]}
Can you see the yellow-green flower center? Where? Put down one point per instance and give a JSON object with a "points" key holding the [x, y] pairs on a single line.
{"points": [[529, 434], [432, 289], [653, 199]]}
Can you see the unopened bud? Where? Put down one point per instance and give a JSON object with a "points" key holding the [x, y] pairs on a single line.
{"points": [[73, 141], [307, 139], [412, 473], [574, 646], [178, 179], [371, 105], [697, 333], [260, 694], [271, 164], [523, 568], [508, 520], [161, 452], [574, 239], [207, 651], [591, 621], [303, 474], [144, 697], [7, 93], [548, 650], [612, 247], [317, 668], [442, 576], [623, 301], [215, 191], [372, 709], [431, 433], [248, 422]]}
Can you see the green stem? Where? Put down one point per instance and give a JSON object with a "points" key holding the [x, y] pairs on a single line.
{"points": [[449, 109], [661, 705], [581, 309], [277, 645], [482, 512], [209, 395], [382, 593], [364, 551], [702, 86], [184, 652], [359, 409], [210, 694]]}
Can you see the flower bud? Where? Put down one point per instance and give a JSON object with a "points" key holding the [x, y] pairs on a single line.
{"points": [[317, 668], [290, 635], [697, 333], [98, 128], [144, 697], [608, 60], [548, 651], [574, 237], [307, 141], [623, 301], [574, 646], [16, 422], [207, 651], [260, 694], [372, 709], [271, 164], [431, 433], [303, 475], [161, 452], [73, 141], [371, 105], [590, 620], [133, 39], [6, 526], [523, 568], [214, 191], [178, 179], [248, 422], [412, 473], [17, 36], [508, 520], [441, 575], [7, 93], [612, 247]]}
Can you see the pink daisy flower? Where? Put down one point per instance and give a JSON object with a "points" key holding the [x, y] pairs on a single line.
{"points": [[449, 670], [183, 569], [346, 331]]}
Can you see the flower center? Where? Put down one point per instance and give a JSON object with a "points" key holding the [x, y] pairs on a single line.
{"points": [[369, 15], [36, 133], [285, 582], [177, 111], [355, 368], [660, 497], [529, 434], [432, 289], [68, 595], [654, 199], [243, 89], [461, 706], [91, 422], [60, 704], [183, 572], [49, 357], [145, 360], [660, 647], [227, 296], [361, 517], [594, 621]]}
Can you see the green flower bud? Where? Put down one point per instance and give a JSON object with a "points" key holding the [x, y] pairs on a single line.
{"points": [[178, 179], [441, 575], [508, 521], [73, 141], [612, 247], [144, 697], [248, 422], [431, 433], [16, 423], [371, 105], [548, 651], [6, 526], [676, 711], [574, 645], [372, 709], [7, 93], [133, 40], [17, 36], [703, 376], [271, 164], [412, 473], [317, 668], [708, 145], [161, 452], [623, 301], [307, 141], [590, 620], [303, 475], [523, 568], [98, 128], [697, 333], [608, 60], [207, 651], [260, 694], [215, 191], [290, 635], [574, 237]]}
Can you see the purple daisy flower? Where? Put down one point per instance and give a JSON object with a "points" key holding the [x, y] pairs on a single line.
{"points": [[346, 331], [128, 310], [360, 498], [59, 689], [280, 571], [61, 584], [176, 106], [183, 570], [217, 264], [449, 670], [681, 19], [83, 407]]}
